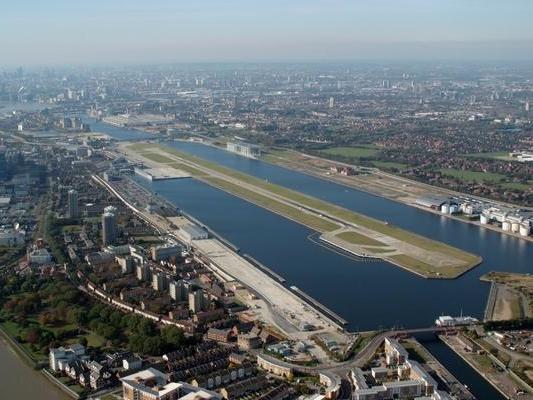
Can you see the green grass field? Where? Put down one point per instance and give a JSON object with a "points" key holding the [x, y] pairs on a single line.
{"points": [[356, 238], [351, 152], [472, 176], [497, 155], [420, 266], [517, 186], [158, 158], [71, 228], [389, 165]]}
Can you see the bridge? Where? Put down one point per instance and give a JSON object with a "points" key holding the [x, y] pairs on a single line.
{"points": [[365, 355]]}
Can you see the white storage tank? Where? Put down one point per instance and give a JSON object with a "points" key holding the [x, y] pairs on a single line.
{"points": [[515, 227], [484, 219], [454, 208], [445, 208], [506, 226], [525, 230]]}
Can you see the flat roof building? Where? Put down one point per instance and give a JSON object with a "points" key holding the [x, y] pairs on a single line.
{"points": [[193, 232], [244, 149], [152, 384]]}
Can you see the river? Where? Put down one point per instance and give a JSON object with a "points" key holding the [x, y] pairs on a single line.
{"points": [[478, 386], [19, 381]]}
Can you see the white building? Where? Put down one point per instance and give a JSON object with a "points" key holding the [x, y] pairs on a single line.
{"points": [[165, 252], [193, 232], [395, 353], [412, 382], [151, 384], [61, 355], [196, 301], [132, 363], [244, 149], [109, 228], [159, 281], [178, 290], [446, 320]]}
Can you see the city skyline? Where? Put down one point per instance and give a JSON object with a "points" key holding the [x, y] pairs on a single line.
{"points": [[59, 32]]}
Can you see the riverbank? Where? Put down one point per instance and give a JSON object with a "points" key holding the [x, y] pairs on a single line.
{"points": [[18, 349], [369, 236], [511, 296], [19, 378], [419, 353], [486, 365]]}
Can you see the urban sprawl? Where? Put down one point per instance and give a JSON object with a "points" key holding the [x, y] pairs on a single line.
{"points": [[112, 291]]}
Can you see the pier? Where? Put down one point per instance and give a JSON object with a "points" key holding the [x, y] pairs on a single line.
{"points": [[337, 318], [264, 268]]}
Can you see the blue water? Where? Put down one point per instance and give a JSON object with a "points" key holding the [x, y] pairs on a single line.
{"points": [[368, 294], [478, 386], [115, 131]]}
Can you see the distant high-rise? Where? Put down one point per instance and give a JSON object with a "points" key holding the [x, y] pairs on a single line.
{"points": [[178, 290], [196, 300], [143, 272], [73, 210], [331, 102], [159, 281], [526, 107], [109, 226]]}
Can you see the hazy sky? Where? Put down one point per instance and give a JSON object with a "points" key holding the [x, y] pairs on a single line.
{"points": [[151, 31]]}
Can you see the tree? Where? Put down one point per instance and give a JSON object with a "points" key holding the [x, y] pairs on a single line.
{"points": [[77, 316], [115, 318], [146, 327], [153, 346], [132, 321], [173, 336], [136, 343], [33, 335]]}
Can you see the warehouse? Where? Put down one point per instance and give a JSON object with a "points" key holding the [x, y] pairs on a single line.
{"points": [[432, 201], [193, 232]]}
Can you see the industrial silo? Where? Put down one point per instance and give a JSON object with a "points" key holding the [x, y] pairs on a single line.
{"points": [[506, 226]]}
